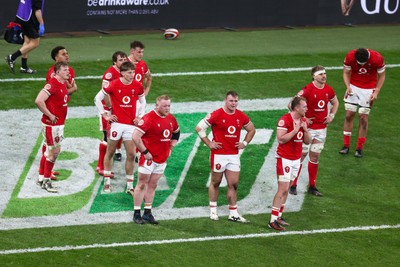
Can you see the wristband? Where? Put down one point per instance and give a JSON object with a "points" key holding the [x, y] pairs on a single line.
{"points": [[244, 143], [145, 151], [332, 116]]}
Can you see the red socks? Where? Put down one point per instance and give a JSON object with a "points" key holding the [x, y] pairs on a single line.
{"points": [[42, 161], [48, 167], [102, 153], [361, 142], [346, 140], [312, 173]]}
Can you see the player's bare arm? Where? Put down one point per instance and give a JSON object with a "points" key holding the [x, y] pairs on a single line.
{"points": [[251, 131], [346, 80], [40, 102], [335, 105], [148, 80], [283, 136], [307, 136], [379, 84], [137, 139], [201, 129]]}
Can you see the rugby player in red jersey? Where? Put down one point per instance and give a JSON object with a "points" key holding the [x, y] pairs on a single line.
{"points": [[112, 73], [291, 133], [58, 54], [155, 136], [363, 76], [322, 105], [123, 94], [226, 124], [52, 101]]}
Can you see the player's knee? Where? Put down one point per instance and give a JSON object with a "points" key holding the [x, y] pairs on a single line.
{"points": [[130, 156], [215, 182], [233, 186], [141, 186], [364, 122], [52, 154], [350, 107]]}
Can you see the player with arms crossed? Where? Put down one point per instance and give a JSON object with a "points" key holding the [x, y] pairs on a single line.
{"points": [[226, 124], [109, 75], [318, 95], [155, 136], [291, 133], [52, 101], [363, 76], [123, 94]]}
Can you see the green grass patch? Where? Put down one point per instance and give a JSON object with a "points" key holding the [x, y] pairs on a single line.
{"points": [[357, 192]]}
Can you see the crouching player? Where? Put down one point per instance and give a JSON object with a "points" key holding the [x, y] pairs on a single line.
{"points": [[155, 136]]}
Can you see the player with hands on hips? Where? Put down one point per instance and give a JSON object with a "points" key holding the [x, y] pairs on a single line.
{"points": [[226, 124]]}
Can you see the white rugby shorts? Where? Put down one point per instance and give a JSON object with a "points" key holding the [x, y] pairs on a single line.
{"points": [[119, 130], [220, 163], [149, 167], [360, 97], [287, 169], [53, 135]]}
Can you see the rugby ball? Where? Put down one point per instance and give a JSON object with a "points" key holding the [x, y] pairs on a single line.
{"points": [[171, 34]]}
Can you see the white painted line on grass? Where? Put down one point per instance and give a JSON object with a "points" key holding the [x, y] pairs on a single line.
{"points": [[197, 239], [173, 74]]}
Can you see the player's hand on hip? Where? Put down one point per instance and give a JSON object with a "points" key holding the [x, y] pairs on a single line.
{"points": [[53, 119], [240, 145], [148, 156], [327, 120], [215, 145], [110, 118]]}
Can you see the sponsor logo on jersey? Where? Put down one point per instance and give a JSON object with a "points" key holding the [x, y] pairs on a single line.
{"points": [[126, 100], [231, 129]]}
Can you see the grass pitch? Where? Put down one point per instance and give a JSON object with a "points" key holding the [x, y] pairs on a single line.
{"points": [[358, 192]]}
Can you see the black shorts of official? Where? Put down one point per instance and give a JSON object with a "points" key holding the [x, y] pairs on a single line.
{"points": [[30, 28]]}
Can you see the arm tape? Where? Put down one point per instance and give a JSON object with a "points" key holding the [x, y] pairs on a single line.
{"points": [[141, 108], [175, 136], [97, 101], [203, 126]]}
